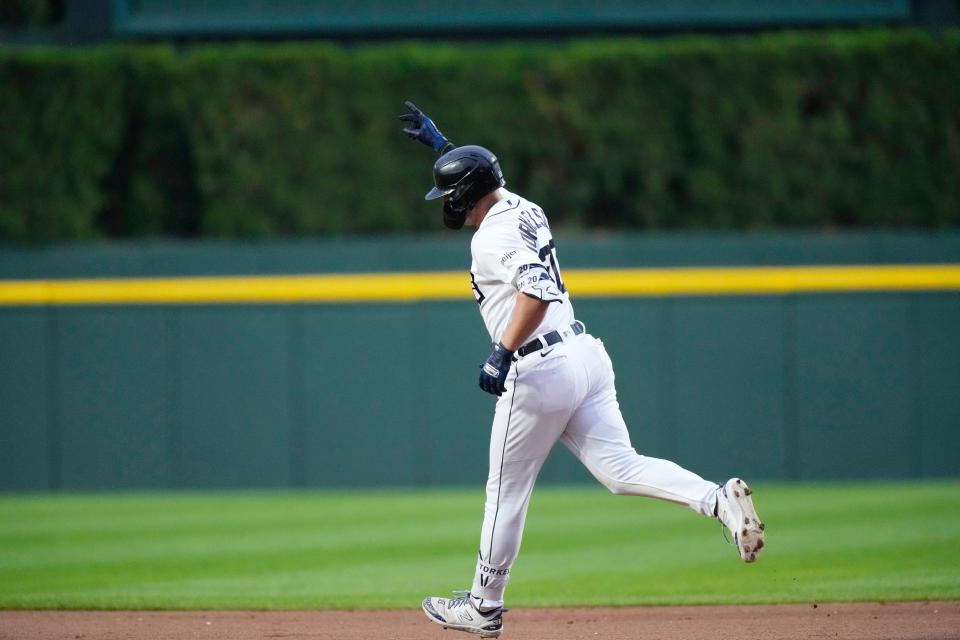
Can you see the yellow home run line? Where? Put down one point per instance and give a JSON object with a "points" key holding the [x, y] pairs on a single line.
{"points": [[444, 285]]}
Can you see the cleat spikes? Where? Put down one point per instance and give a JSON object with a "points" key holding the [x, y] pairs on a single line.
{"points": [[736, 511]]}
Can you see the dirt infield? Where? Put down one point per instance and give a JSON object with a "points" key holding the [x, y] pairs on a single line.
{"points": [[900, 621]]}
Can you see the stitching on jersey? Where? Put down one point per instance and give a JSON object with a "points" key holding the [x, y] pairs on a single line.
{"points": [[491, 215]]}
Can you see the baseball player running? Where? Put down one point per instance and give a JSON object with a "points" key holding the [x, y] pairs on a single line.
{"points": [[553, 381]]}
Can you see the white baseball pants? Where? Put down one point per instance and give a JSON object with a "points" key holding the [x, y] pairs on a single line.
{"points": [[564, 393]]}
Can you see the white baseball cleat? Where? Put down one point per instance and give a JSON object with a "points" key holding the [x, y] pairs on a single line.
{"points": [[735, 510], [459, 613]]}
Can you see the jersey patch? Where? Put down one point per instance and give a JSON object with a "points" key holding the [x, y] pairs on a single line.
{"points": [[535, 281], [527, 267]]}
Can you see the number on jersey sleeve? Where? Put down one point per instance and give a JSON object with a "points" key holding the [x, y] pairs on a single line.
{"points": [[549, 252]]}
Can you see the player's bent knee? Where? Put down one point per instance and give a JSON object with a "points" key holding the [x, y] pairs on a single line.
{"points": [[618, 476], [617, 488]]}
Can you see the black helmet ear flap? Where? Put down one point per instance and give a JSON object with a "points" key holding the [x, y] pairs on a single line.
{"points": [[453, 216]]}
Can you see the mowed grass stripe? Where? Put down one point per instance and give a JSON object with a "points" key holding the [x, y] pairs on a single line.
{"points": [[415, 287], [386, 549]]}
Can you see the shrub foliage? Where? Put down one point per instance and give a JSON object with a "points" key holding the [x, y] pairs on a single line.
{"points": [[853, 128]]}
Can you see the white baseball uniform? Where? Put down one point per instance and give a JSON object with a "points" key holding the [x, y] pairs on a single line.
{"points": [[562, 391]]}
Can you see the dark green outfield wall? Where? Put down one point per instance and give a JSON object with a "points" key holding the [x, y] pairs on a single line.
{"points": [[776, 387]]}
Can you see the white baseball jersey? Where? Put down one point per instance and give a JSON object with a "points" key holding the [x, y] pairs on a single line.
{"points": [[513, 251], [564, 393]]}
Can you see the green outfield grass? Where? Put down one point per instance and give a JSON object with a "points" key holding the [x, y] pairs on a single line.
{"points": [[374, 550]]}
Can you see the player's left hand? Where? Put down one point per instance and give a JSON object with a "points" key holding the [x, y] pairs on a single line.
{"points": [[422, 128], [493, 372]]}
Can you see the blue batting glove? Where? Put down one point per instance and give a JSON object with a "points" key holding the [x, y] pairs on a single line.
{"points": [[424, 130], [493, 372]]}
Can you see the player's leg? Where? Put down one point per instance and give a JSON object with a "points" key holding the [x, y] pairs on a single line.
{"points": [[529, 419], [598, 437]]}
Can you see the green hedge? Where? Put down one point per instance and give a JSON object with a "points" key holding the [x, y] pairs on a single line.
{"points": [[61, 127], [793, 129], [30, 13]]}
